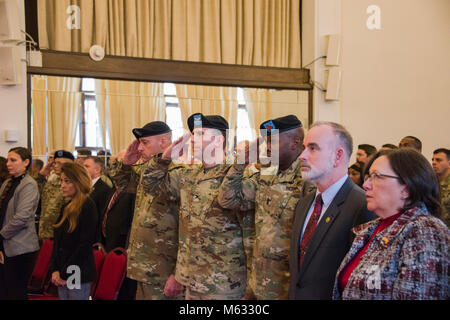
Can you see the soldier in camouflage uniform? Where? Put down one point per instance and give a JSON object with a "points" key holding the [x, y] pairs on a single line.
{"points": [[273, 193], [441, 166], [51, 198], [153, 241], [211, 260]]}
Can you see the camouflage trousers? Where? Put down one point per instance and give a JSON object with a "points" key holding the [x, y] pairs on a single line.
{"points": [[147, 291], [192, 295]]}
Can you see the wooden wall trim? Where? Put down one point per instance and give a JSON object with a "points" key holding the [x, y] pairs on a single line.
{"points": [[58, 63]]}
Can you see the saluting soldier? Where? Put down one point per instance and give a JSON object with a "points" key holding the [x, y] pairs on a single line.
{"points": [[211, 261], [153, 241], [52, 199], [441, 166], [273, 193]]}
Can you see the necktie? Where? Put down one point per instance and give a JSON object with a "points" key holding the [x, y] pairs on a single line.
{"points": [[111, 203], [310, 227]]}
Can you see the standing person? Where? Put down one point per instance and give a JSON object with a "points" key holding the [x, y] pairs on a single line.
{"points": [[322, 232], [211, 257], [52, 199], [272, 199], [100, 190], [19, 197], [441, 166], [153, 241], [411, 142], [4, 174], [74, 236], [405, 253], [355, 171], [364, 152]]}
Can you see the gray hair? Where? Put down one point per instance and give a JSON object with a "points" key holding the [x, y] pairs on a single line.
{"points": [[344, 137]]}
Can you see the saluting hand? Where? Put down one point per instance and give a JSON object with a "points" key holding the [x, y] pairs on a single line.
{"points": [[132, 154], [176, 149]]}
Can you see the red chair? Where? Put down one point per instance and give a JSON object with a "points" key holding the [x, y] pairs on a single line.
{"points": [[99, 257], [39, 276], [112, 275]]}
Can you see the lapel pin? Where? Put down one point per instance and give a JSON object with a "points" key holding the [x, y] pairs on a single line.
{"points": [[328, 219], [385, 240]]}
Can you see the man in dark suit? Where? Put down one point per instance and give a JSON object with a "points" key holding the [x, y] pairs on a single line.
{"points": [[100, 190], [322, 234]]}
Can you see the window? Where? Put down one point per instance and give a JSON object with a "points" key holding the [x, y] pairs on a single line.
{"points": [[173, 112], [89, 135]]}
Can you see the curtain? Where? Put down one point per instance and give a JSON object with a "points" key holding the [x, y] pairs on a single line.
{"points": [[39, 114], [259, 33], [56, 110], [265, 104], [63, 101], [209, 100], [125, 105]]}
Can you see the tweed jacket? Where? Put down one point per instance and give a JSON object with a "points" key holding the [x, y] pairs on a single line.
{"points": [[406, 261]]}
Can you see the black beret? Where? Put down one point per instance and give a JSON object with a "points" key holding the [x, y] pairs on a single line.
{"points": [[282, 124], [198, 120], [151, 129], [64, 154]]}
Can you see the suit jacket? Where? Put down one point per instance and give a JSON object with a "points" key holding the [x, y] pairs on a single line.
{"points": [[18, 229], [118, 221], [100, 195], [76, 248], [329, 244]]}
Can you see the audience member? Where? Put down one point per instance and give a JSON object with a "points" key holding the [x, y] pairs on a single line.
{"points": [[405, 253], [355, 173], [411, 142], [100, 190], [321, 234], [4, 173], [52, 199], [19, 196], [82, 154], [441, 166], [105, 156], [388, 146], [364, 152], [74, 235]]}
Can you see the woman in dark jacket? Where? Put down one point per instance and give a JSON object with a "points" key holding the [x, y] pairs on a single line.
{"points": [[19, 197], [72, 265]]}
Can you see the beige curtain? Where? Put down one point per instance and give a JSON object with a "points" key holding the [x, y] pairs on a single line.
{"points": [[260, 33], [39, 114], [56, 110], [265, 104], [64, 106], [124, 105], [209, 100]]}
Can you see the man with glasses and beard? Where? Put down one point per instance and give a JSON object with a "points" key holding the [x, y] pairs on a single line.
{"points": [[322, 231]]}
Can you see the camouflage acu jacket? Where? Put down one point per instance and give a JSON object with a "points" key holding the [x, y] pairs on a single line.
{"points": [[445, 200], [153, 240], [408, 260], [52, 201], [211, 257], [274, 198]]}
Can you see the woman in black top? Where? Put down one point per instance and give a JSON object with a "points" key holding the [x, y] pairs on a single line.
{"points": [[72, 265]]}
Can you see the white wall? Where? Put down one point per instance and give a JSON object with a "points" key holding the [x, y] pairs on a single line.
{"points": [[396, 80], [13, 103]]}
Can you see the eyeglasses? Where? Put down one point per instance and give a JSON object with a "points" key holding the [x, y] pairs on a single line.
{"points": [[377, 176]]}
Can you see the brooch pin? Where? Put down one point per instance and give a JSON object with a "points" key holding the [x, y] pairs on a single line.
{"points": [[327, 220], [385, 240]]}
